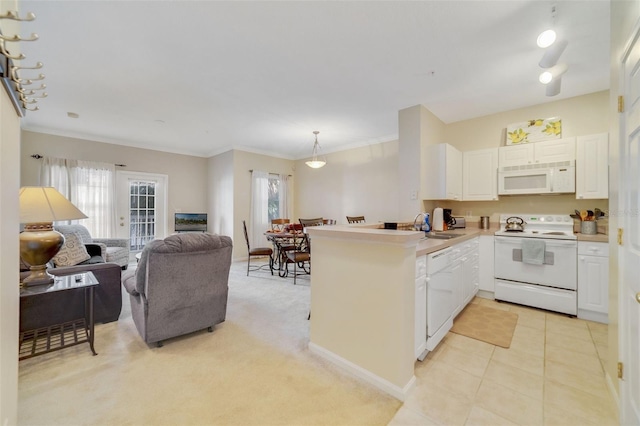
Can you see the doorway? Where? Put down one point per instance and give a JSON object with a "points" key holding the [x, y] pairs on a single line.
{"points": [[141, 208]]}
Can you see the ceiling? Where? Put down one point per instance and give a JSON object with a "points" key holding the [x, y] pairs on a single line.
{"points": [[203, 77]]}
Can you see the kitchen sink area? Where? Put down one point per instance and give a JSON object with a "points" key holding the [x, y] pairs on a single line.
{"points": [[442, 235]]}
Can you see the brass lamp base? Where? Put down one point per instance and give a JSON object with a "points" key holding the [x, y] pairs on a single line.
{"points": [[39, 243]]}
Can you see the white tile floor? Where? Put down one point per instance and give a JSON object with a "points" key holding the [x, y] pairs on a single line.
{"points": [[552, 374]]}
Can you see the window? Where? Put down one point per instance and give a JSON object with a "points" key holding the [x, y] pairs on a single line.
{"points": [[273, 202]]}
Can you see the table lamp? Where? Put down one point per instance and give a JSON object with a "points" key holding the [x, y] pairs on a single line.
{"points": [[39, 243]]}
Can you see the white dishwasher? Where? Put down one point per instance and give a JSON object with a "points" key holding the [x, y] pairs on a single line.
{"points": [[439, 297]]}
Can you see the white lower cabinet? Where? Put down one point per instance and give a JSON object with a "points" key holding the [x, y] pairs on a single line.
{"points": [[420, 331], [466, 274], [593, 281], [486, 265]]}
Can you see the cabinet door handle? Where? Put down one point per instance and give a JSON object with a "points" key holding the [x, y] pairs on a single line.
{"points": [[581, 258], [638, 297]]}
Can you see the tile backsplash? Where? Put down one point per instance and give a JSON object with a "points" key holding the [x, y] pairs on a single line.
{"points": [[553, 204]]}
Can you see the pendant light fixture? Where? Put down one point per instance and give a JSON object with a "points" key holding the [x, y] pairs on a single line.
{"points": [[317, 160]]}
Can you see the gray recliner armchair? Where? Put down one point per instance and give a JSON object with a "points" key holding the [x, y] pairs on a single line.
{"points": [[114, 250], [180, 285]]}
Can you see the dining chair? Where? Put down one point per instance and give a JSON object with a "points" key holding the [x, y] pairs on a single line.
{"points": [[311, 222], [355, 219], [300, 257], [328, 221], [279, 224], [257, 252]]}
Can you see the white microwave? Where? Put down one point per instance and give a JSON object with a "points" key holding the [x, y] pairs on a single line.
{"points": [[543, 178]]}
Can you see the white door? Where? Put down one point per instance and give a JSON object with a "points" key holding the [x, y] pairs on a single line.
{"points": [[629, 252], [141, 207]]}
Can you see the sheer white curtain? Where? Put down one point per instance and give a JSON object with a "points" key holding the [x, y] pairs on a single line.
{"points": [[259, 222], [90, 186], [58, 173], [95, 186], [285, 207]]}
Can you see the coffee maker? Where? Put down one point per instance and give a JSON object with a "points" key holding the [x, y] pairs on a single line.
{"points": [[449, 220]]}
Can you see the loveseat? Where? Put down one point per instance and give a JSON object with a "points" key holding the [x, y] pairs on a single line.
{"points": [[114, 250], [180, 285]]}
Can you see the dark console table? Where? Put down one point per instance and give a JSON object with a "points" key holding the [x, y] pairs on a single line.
{"points": [[37, 336]]}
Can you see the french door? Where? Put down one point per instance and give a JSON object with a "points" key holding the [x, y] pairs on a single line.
{"points": [[141, 207]]}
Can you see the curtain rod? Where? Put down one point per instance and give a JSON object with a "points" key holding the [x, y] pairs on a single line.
{"points": [[271, 173], [38, 156]]}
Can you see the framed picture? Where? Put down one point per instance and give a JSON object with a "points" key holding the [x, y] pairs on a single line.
{"points": [[538, 129]]}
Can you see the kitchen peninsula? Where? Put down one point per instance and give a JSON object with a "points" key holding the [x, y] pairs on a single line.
{"points": [[363, 300]]}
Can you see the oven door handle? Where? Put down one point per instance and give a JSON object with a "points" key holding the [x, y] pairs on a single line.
{"points": [[553, 242]]}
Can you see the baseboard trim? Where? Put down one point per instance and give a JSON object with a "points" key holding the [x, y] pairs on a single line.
{"points": [[485, 294], [397, 392], [612, 391]]}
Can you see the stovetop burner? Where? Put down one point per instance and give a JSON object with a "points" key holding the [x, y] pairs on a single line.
{"points": [[549, 226]]}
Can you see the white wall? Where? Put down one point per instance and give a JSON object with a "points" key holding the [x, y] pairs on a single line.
{"points": [[188, 175], [359, 181], [243, 162], [9, 247], [221, 195], [581, 115]]}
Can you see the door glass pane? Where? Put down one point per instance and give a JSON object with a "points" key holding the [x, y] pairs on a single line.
{"points": [[142, 213]]}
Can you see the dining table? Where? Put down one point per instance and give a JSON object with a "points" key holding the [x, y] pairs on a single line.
{"points": [[283, 241]]}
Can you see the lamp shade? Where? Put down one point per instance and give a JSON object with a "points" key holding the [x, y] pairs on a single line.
{"points": [[46, 204]]}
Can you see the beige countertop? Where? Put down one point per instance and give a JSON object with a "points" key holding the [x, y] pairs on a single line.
{"points": [[598, 238], [373, 232]]}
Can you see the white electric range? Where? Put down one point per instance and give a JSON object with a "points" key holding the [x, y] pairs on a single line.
{"points": [[537, 265]]}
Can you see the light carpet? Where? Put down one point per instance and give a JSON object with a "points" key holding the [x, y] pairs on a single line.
{"points": [[486, 324], [254, 369]]}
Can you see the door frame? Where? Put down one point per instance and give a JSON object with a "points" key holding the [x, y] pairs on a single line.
{"points": [[624, 218], [162, 202]]}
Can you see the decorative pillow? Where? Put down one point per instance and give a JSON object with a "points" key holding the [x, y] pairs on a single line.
{"points": [[72, 252]]}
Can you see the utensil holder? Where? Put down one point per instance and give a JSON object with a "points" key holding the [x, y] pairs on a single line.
{"points": [[589, 227]]}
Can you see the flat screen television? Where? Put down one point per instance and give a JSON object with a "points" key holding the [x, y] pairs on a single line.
{"points": [[191, 222]]}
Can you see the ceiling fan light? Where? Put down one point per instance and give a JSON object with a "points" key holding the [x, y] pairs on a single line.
{"points": [[546, 38]]}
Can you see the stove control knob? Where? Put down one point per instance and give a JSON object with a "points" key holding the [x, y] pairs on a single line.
{"points": [[548, 219]]}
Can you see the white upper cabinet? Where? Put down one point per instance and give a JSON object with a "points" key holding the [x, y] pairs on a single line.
{"points": [[515, 155], [592, 166], [480, 175], [538, 152], [443, 173]]}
